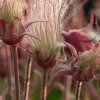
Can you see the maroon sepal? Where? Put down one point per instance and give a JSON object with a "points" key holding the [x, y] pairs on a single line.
{"points": [[3, 25], [46, 64], [84, 74], [13, 40]]}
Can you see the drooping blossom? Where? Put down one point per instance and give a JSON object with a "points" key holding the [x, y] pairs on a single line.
{"points": [[46, 50], [78, 38], [87, 63], [90, 58], [12, 21], [84, 68]]}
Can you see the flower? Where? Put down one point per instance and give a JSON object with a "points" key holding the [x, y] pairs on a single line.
{"points": [[79, 40], [11, 21], [87, 63], [45, 50], [83, 68], [90, 58]]}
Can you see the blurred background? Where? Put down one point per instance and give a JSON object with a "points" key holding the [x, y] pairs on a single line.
{"points": [[55, 90]]}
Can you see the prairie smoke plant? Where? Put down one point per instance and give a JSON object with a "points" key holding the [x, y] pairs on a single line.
{"points": [[84, 65], [45, 50], [11, 15], [12, 30], [80, 40], [83, 68], [90, 58], [12, 21]]}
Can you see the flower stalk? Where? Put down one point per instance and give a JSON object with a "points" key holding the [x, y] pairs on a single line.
{"points": [[27, 81], [78, 91], [68, 82], [16, 69], [10, 72], [44, 85]]}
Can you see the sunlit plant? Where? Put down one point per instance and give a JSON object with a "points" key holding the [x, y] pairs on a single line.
{"points": [[46, 50], [84, 67]]}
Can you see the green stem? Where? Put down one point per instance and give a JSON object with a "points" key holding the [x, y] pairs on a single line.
{"points": [[27, 82], [44, 85], [78, 91], [16, 69]]}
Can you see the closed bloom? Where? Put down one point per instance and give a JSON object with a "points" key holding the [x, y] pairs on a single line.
{"points": [[80, 40], [87, 63], [90, 58], [85, 66], [45, 50], [12, 21]]}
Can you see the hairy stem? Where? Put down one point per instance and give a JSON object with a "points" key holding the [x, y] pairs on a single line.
{"points": [[16, 69], [68, 81], [10, 72], [44, 85], [27, 81], [78, 91]]}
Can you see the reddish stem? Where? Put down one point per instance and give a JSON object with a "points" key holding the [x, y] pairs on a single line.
{"points": [[78, 91], [16, 69], [10, 72], [27, 82], [44, 85], [67, 88]]}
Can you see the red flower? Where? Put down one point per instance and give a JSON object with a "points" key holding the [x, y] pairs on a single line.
{"points": [[80, 41], [11, 33]]}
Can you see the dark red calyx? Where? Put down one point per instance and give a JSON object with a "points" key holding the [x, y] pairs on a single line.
{"points": [[47, 63], [12, 40], [84, 74]]}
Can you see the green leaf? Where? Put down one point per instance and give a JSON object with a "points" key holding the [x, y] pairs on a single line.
{"points": [[54, 94]]}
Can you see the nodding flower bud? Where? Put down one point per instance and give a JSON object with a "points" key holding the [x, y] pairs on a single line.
{"points": [[79, 40], [11, 21], [90, 58], [46, 49]]}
